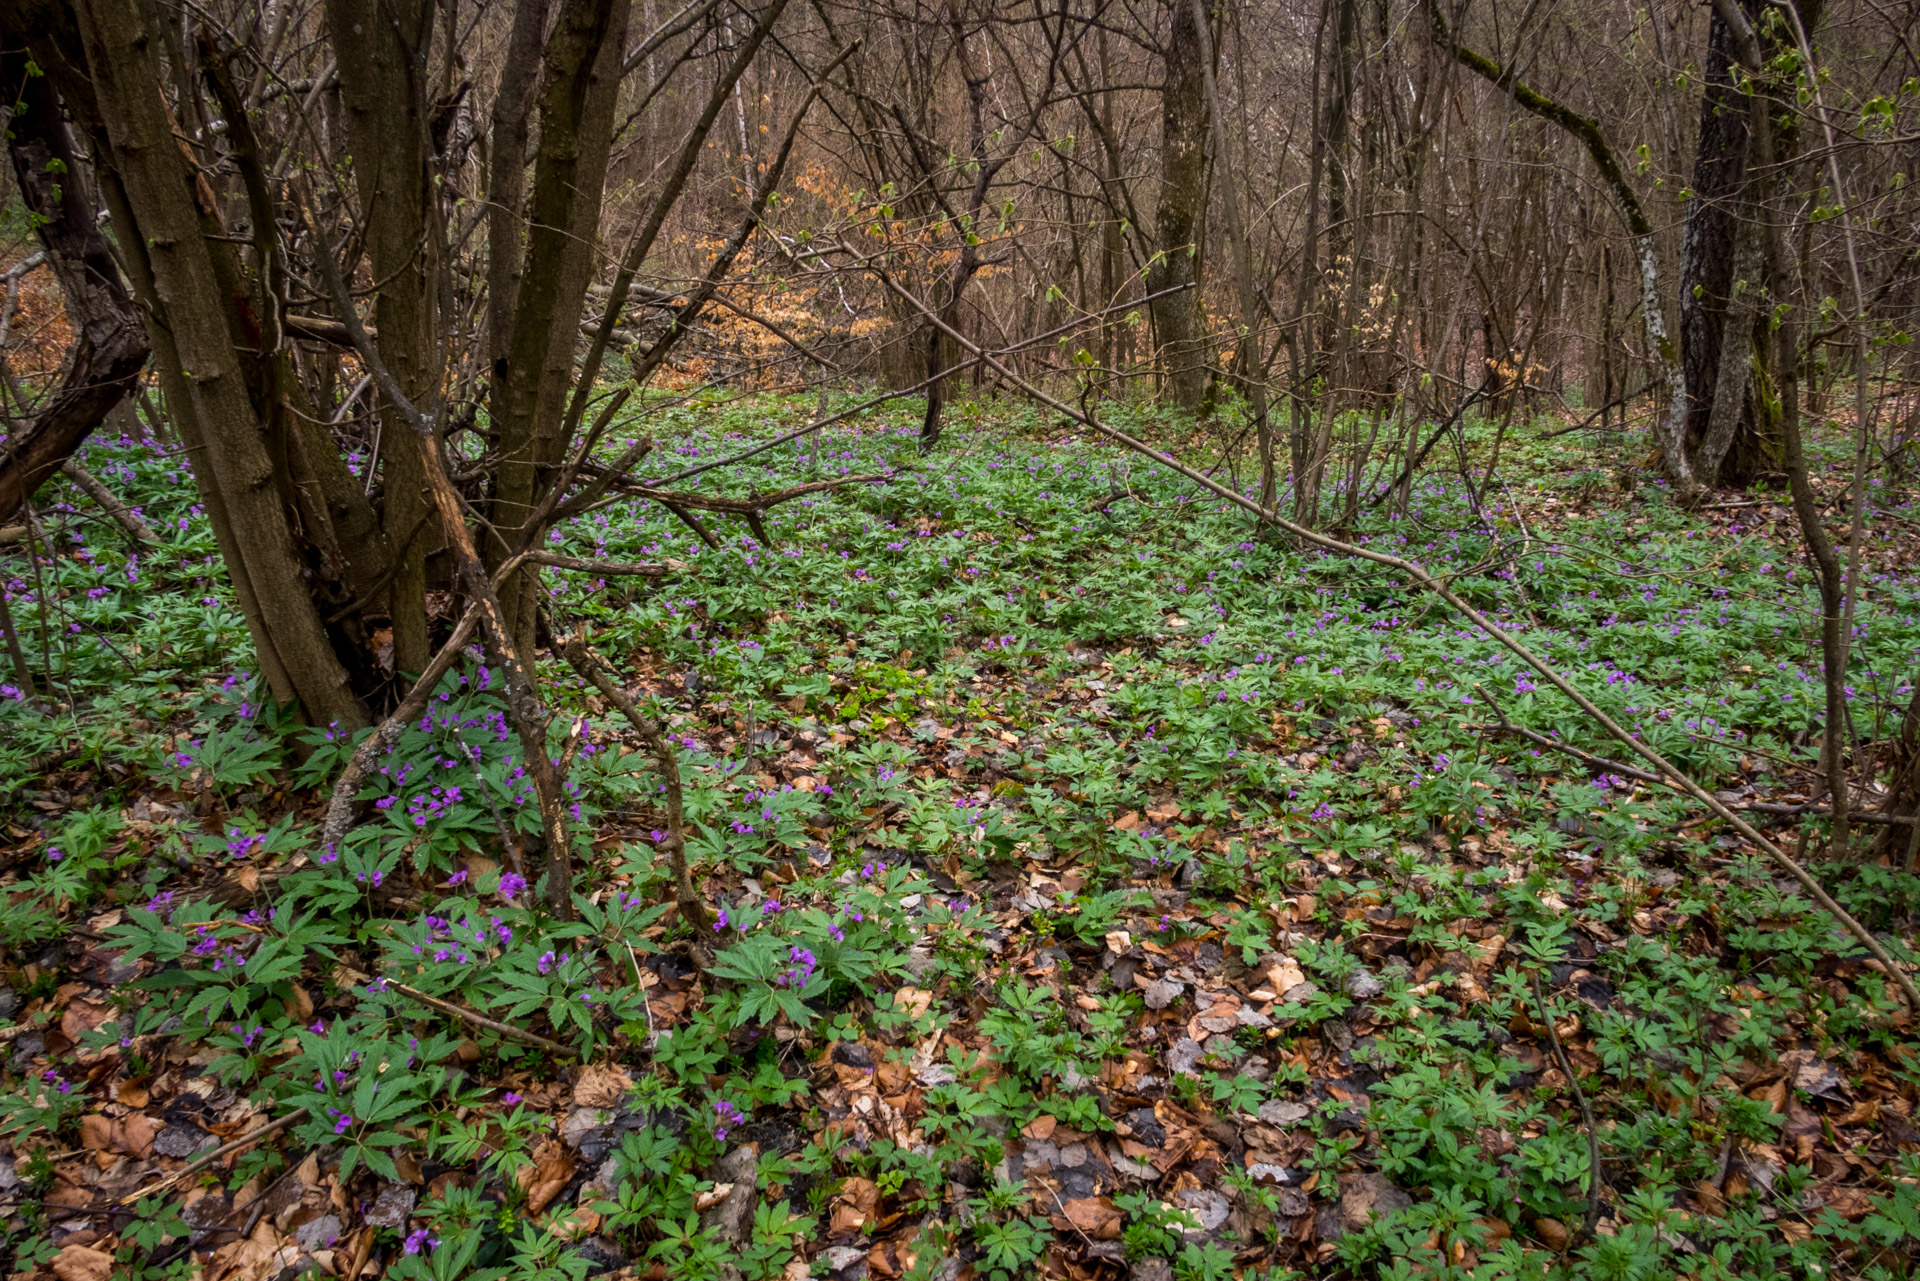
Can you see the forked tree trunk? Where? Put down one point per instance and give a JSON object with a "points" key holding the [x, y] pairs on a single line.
{"points": [[543, 312], [162, 210]]}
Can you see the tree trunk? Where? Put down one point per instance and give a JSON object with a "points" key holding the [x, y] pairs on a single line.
{"points": [[109, 345], [507, 174], [561, 179], [580, 252], [158, 200], [1720, 427], [382, 50], [1180, 212]]}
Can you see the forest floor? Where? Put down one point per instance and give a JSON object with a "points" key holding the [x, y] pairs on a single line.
{"points": [[1104, 890]]}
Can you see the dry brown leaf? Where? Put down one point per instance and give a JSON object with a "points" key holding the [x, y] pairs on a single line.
{"points": [[576, 1223], [264, 1254], [82, 1263], [1865, 1112], [712, 1197], [1097, 1216], [857, 1205], [551, 1169], [1709, 1198], [1040, 1127], [82, 1017], [915, 1001], [1552, 1233], [894, 1258], [1851, 1204], [601, 1086], [1284, 974], [96, 1132]]}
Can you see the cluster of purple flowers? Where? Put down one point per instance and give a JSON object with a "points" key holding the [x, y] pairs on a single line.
{"points": [[223, 953], [726, 1117], [240, 844], [451, 941], [800, 972], [428, 804]]}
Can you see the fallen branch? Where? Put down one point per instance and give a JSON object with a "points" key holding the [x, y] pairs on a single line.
{"points": [[109, 502], [1586, 1118], [1418, 575], [1627, 771], [478, 1020], [692, 909], [753, 507], [1598, 762], [643, 568], [246, 1140]]}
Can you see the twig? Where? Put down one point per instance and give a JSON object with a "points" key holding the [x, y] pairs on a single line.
{"points": [[855, 411], [246, 1140], [339, 815], [1586, 1117], [1627, 771], [648, 569], [480, 1020], [1598, 762], [8, 1034], [692, 910], [109, 502], [499, 819]]}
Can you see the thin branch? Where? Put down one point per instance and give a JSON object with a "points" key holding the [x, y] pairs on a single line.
{"points": [[1419, 576], [246, 1140], [1586, 1117], [692, 909], [479, 1020]]}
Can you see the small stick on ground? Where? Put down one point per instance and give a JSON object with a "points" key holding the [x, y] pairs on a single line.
{"points": [[1586, 1118], [692, 909], [246, 1140], [481, 1020]]}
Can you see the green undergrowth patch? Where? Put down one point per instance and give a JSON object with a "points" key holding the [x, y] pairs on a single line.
{"points": [[1098, 880]]}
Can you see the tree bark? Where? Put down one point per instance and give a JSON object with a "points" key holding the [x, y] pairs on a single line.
{"points": [[158, 201], [543, 314], [1782, 404], [507, 173], [109, 346], [1180, 211], [1709, 245], [382, 48]]}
